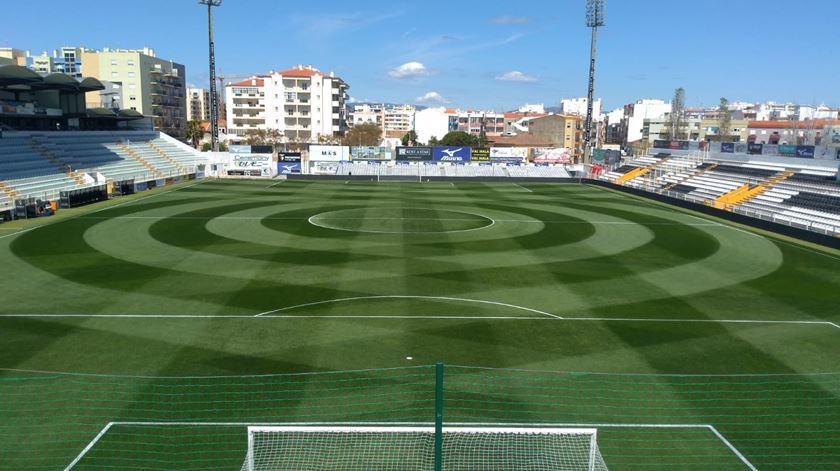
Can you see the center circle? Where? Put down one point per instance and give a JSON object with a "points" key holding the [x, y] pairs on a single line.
{"points": [[401, 220]]}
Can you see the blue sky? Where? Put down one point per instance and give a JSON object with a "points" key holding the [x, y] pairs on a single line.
{"points": [[477, 53]]}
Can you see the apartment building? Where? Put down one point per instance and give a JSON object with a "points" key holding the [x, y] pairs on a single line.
{"points": [[474, 122], [143, 82], [394, 120], [12, 56], [302, 103], [67, 60], [198, 104], [579, 106]]}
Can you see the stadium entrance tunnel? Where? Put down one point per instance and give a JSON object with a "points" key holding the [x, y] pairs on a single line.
{"points": [[399, 220]]}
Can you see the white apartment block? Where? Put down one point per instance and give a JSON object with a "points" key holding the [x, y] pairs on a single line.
{"points": [[302, 103], [198, 104], [578, 106], [394, 120]]}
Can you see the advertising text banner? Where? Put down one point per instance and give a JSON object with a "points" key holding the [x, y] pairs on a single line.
{"points": [[329, 153], [451, 154], [480, 154], [371, 153], [414, 154]]}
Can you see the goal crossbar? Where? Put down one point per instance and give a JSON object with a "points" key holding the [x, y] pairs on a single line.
{"points": [[268, 445]]}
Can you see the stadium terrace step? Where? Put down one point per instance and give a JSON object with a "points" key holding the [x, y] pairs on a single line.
{"points": [[136, 156]]}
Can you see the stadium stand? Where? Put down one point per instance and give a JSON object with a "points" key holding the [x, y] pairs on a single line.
{"points": [[807, 198]]}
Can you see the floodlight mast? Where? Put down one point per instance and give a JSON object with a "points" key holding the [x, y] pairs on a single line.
{"points": [[214, 99], [594, 19]]}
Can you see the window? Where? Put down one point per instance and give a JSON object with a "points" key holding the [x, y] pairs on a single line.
{"points": [[115, 74], [131, 63], [132, 98], [131, 75], [113, 62]]}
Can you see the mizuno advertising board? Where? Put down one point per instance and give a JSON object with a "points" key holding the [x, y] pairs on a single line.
{"points": [[805, 152], [371, 153], [727, 147], [329, 153], [414, 154], [451, 154]]}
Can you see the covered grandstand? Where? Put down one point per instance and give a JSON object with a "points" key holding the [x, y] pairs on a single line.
{"points": [[52, 144]]}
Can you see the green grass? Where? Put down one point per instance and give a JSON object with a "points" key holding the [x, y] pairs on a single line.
{"points": [[159, 294]]}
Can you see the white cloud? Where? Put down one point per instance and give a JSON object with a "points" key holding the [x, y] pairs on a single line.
{"points": [[510, 20], [516, 76], [432, 97], [409, 70]]}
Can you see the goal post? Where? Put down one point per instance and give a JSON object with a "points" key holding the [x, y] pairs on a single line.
{"points": [[342, 448]]}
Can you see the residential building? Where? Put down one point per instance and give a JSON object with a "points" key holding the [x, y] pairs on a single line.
{"points": [[560, 130], [12, 56], [394, 120], [434, 123], [578, 106], [67, 60], [632, 124], [693, 129], [302, 103], [198, 104], [147, 84], [538, 108], [476, 122], [613, 127], [518, 122], [809, 132]]}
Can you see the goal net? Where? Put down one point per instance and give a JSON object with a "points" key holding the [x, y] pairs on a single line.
{"points": [[413, 448]]}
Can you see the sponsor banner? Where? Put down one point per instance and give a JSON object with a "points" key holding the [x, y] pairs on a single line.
{"points": [[288, 168], [715, 147], [770, 149], [727, 147], [661, 144], [509, 152], [613, 157], [824, 153], [561, 155], [235, 149], [678, 145], [290, 157], [480, 155], [414, 154], [262, 149], [255, 165], [371, 153], [694, 145], [787, 150], [805, 152], [451, 154], [740, 148], [328, 153], [755, 149], [599, 155]]}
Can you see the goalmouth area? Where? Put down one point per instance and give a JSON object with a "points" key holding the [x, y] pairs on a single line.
{"points": [[168, 330]]}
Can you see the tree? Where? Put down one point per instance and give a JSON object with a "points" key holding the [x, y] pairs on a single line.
{"points": [[434, 141], [263, 137], [194, 132], [207, 147], [363, 135], [459, 139], [410, 138], [482, 140], [677, 114], [724, 120]]}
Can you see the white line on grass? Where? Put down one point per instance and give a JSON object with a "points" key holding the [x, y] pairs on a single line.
{"points": [[706, 321], [436, 298], [396, 425], [526, 189], [58, 221], [272, 186]]}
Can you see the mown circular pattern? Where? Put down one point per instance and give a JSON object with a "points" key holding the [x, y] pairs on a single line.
{"points": [[400, 220]]}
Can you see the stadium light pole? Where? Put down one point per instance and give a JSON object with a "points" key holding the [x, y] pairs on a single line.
{"points": [[214, 99], [594, 19]]}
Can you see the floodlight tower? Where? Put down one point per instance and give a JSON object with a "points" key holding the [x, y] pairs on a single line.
{"points": [[594, 19], [214, 99]]}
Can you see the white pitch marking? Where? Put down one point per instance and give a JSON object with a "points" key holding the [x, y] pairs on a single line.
{"points": [[89, 446], [709, 321], [440, 298], [526, 189], [732, 448], [99, 210], [492, 223], [272, 186]]}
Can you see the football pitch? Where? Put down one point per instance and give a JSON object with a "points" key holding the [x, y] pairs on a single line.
{"points": [[150, 333]]}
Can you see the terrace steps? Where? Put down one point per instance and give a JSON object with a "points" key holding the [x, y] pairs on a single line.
{"points": [[166, 156], [134, 155]]}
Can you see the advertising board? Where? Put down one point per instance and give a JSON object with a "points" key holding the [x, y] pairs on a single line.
{"points": [[253, 165], [755, 149], [727, 147], [371, 153], [451, 154], [805, 152], [508, 155], [288, 168], [787, 150], [414, 154], [480, 155], [545, 155], [318, 153], [290, 157]]}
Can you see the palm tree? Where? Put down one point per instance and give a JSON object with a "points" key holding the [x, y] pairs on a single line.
{"points": [[194, 132]]}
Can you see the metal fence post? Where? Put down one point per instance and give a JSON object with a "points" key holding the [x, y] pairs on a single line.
{"points": [[439, 416]]}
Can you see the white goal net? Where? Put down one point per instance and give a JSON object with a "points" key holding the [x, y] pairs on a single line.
{"points": [[275, 448]]}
